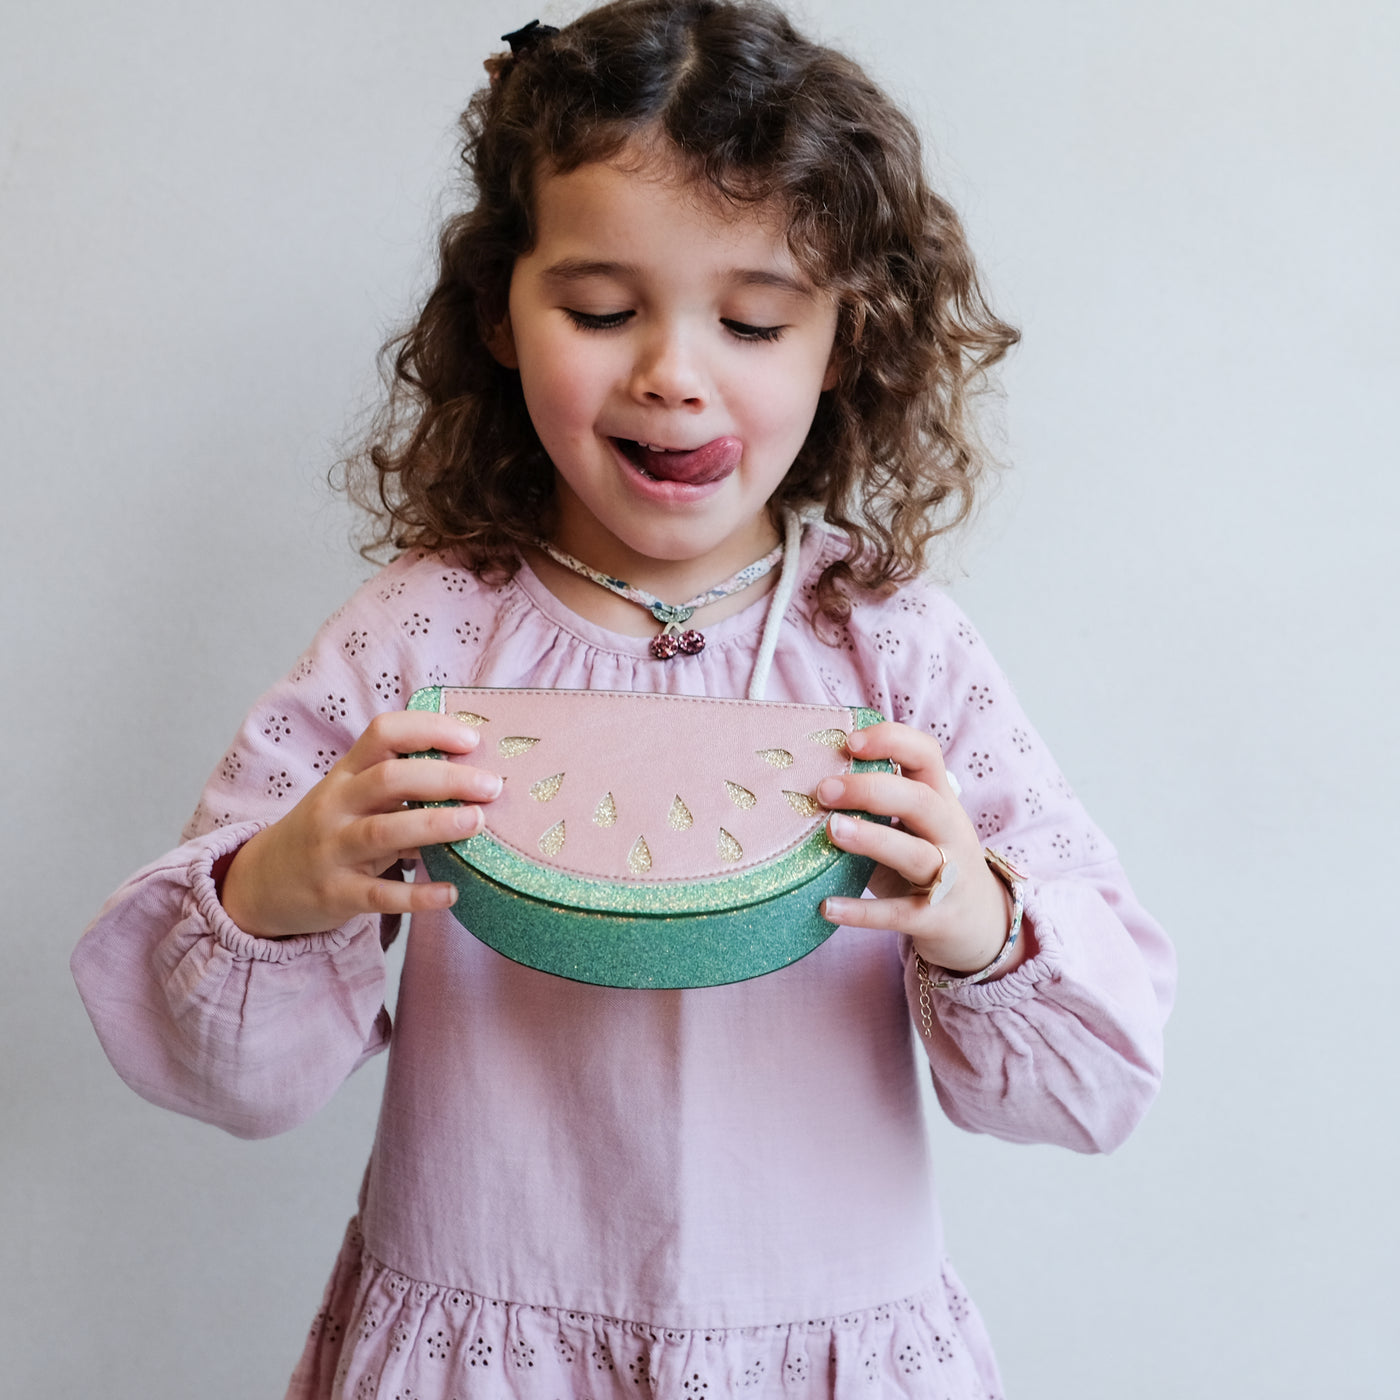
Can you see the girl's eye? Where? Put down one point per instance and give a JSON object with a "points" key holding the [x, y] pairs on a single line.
{"points": [[588, 321], [746, 332]]}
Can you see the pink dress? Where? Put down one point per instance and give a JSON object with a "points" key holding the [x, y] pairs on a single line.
{"points": [[577, 1192]]}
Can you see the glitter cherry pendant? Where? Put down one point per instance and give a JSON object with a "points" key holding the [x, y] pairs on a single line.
{"points": [[668, 644]]}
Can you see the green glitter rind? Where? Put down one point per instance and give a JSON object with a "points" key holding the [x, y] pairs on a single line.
{"points": [[486, 856], [694, 950]]}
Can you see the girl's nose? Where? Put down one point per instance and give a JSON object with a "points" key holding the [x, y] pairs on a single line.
{"points": [[668, 371]]}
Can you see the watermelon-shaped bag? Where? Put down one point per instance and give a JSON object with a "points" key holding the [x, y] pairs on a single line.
{"points": [[650, 840]]}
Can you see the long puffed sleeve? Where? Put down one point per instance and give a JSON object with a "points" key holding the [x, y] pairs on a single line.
{"points": [[249, 1033], [252, 1034], [1067, 1048]]}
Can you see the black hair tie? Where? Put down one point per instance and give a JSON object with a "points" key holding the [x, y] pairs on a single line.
{"points": [[525, 39]]}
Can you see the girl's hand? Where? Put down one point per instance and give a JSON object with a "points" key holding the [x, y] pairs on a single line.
{"points": [[325, 861], [967, 927]]}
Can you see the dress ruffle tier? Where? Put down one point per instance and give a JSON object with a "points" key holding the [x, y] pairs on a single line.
{"points": [[381, 1335]]}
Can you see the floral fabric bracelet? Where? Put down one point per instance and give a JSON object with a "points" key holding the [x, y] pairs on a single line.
{"points": [[937, 979]]}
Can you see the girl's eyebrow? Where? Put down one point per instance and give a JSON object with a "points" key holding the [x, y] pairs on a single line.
{"points": [[578, 269], [759, 277], [568, 270]]}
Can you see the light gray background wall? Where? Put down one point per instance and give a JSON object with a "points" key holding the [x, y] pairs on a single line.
{"points": [[210, 216]]}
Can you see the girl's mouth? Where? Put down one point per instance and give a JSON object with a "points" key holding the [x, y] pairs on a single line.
{"points": [[696, 466]]}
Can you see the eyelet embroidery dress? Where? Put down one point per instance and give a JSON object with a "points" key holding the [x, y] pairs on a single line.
{"points": [[578, 1192]]}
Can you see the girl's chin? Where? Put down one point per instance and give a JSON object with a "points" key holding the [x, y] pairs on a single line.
{"points": [[636, 544]]}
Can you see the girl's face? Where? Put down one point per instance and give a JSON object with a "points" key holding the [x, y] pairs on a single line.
{"points": [[671, 354]]}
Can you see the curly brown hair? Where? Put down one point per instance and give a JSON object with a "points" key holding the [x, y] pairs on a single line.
{"points": [[758, 113]]}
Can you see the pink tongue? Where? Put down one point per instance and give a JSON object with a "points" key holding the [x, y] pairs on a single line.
{"points": [[709, 463]]}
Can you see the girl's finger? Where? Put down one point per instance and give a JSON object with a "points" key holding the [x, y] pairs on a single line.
{"points": [[896, 915], [919, 807], [918, 754], [381, 896], [377, 839], [393, 782], [398, 732], [915, 859]]}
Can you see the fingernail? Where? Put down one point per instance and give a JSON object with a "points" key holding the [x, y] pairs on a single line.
{"points": [[832, 910], [839, 827], [829, 791], [497, 786]]}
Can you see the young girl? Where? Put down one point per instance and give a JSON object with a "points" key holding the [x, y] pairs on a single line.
{"points": [[704, 316]]}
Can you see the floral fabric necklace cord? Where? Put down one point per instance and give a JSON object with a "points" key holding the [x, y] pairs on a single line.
{"points": [[671, 616]]}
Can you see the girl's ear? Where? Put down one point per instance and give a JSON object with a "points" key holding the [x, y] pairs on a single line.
{"points": [[833, 372], [501, 343]]}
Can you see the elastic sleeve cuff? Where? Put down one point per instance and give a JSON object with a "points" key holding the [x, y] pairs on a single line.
{"points": [[248, 947], [1024, 981]]}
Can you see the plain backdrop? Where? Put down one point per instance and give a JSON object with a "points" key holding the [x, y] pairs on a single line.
{"points": [[210, 218]]}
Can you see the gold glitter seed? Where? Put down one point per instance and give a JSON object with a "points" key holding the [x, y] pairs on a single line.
{"points": [[639, 857], [729, 848], [513, 745], [547, 788], [679, 818], [741, 797], [832, 738], [800, 803], [605, 813], [779, 758], [552, 842], [467, 717]]}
